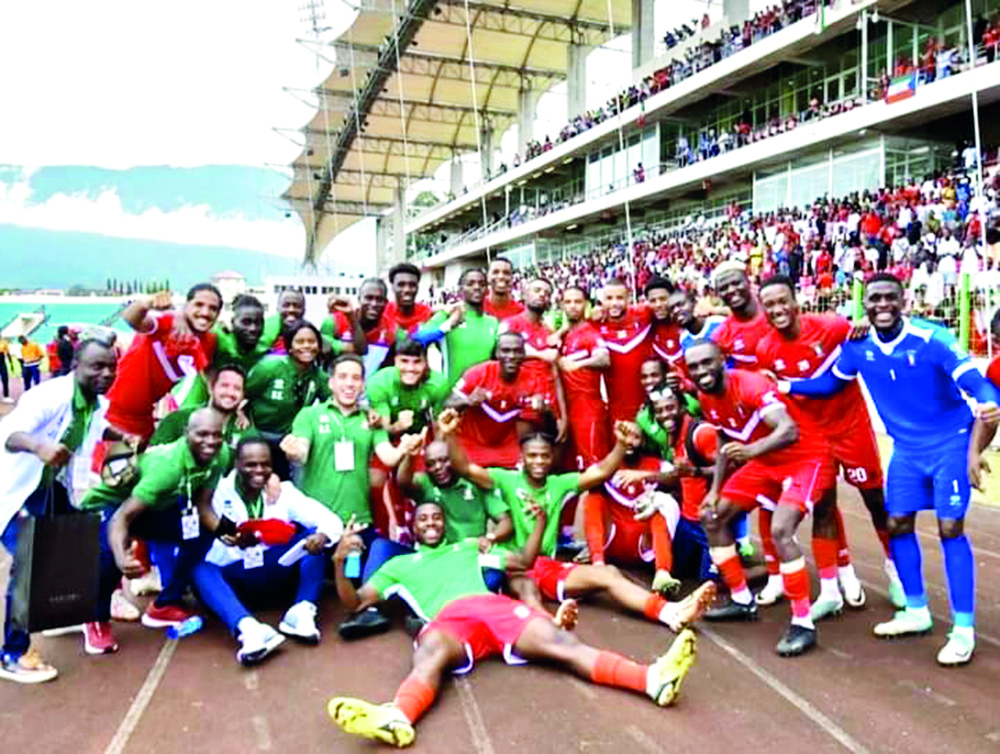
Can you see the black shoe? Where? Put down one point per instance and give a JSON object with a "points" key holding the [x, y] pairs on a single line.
{"points": [[797, 640], [732, 611], [366, 623], [413, 625]]}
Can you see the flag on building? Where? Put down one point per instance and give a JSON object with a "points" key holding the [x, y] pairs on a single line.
{"points": [[901, 87]]}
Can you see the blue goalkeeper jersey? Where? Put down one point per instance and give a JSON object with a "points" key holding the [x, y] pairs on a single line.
{"points": [[914, 381]]}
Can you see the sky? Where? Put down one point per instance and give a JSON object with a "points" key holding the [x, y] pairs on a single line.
{"points": [[156, 121]]}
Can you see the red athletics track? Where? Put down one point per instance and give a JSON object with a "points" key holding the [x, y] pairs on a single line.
{"points": [[854, 694]]}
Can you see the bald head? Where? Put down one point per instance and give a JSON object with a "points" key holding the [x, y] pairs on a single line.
{"points": [[437, 459], [204, 435]]}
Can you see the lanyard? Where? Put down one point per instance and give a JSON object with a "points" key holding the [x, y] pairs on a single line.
{"points": [[256, 509]]}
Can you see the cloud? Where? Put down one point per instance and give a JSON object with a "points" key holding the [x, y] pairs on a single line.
{"points": [[103, 212]]}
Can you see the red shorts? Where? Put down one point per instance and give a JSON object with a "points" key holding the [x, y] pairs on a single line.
{"points": [[799, 485], [590, 431], [630, 542], [857, 454], [487, 624], [550, 575]]}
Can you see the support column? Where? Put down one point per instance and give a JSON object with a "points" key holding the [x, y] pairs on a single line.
{"points": [[456, 181], [576, 79], [383, 254], [643, 38], [735, 12], [399, 226], [486, 145], [525, 116]]}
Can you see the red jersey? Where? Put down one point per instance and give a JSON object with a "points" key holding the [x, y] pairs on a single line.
{"points": [[666, 341], [511, 309], [153, 364], [537, 336], [811, 355], [738, 340], [740, 411], [694, 489], [993, 371], [583, 385], [488, 432], [380, 338], [629, 495], [628, 341], [409, 323]]}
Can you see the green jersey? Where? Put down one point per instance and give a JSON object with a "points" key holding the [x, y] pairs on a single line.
{"points": [[656, 436], [465, 507], [168, 475], [340, 448], [389, 397], [515, 490], [277, 390], [470, 343], [174, 425], [431, 577]]}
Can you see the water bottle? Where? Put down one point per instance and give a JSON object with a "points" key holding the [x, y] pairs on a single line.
{"points": [[186, 628], [352, 565]]}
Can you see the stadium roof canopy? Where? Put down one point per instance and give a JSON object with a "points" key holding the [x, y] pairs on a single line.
{"points": [[414, 83]]}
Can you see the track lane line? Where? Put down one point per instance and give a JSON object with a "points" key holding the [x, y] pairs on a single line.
{"points": [[138, 707], [840, 735], [473, 717]]}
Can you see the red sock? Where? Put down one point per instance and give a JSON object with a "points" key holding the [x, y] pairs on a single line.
{"points": [[883, 537], [825, 553], [770, 554], [612, 669], [732, 573], [654, 604], [844, 552], [414, 697], [796, 581], [663, 546], [594, 516], [141, 552]]}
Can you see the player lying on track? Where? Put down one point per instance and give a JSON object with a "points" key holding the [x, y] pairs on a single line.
{"points": [[444, 583]]}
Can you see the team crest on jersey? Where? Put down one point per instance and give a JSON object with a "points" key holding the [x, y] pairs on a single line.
{"points": [[738, 344], [818, 348], [324, 425], [869, 356], [911, 358], [804, 365], [779, 364], [469, 494], [714, 413]]}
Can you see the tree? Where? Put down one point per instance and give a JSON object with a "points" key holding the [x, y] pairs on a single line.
{"points": [[128, 289]]}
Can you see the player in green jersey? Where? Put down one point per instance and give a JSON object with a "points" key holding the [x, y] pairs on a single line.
{"points": [[443, 583]]}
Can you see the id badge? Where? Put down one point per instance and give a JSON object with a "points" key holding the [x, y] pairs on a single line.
{"points": [[343, 455], [253, 557], [190, 525]]}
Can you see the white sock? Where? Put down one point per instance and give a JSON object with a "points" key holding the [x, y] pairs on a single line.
{"points": [[742, 596], [774, 582], [246, 624], [847, 576], [668, 614], [968, 632], [805, 621], [890, 570], [829, 589], [919, 612]]}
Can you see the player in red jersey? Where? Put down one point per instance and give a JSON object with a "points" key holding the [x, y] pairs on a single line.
{"points": [[541, 353], [494, 395], [758, 435], [665, 337], [405, 310], [379, 330], [499, 303], [625, 333], [582, 360], [168, 347], [628, 522], [739, 334], [803, 346]]}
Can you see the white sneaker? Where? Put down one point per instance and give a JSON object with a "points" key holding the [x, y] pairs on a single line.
{"points": [[826, 607], [772, 593], [50, 633], [959, 649], [122, 610], [854, 592], [906, 623], [147, 584], [300, 622], [257, 641], [896, 594]]}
